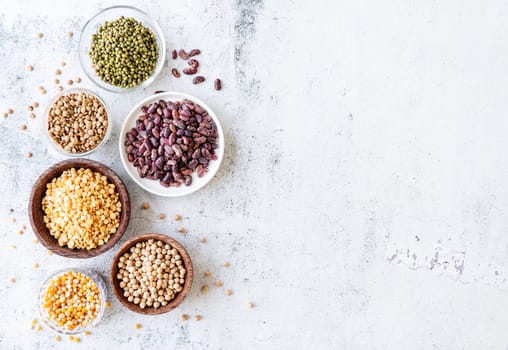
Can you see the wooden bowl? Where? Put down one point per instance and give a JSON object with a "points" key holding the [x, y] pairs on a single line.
{"points": [[36, 213], [187, 263]]}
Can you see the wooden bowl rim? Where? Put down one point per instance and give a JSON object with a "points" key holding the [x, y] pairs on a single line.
{"points": [[57, 169], [180, 297]]}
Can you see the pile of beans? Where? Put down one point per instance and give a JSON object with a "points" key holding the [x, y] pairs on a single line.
{"points": [[77, 122], [81, 209], [171, 140], [151, 274], [72, 299], [124, 53]]}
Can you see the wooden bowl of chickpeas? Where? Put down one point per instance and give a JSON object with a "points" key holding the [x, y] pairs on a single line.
{"points": [[151, 274], [79, 208]]}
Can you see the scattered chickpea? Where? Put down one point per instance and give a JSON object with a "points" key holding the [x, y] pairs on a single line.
{"points": [[4, 115], [57, 81], [40, 35], [162, 216], [12, 280], [87, 333], [218, 283], [62, 63], [78, 80], [146, 206], [32, 115], [22, 127], [229, 292], [28, 154], [185, 317], [226, 264], [30, 68], [198, 317], [36, 104], [204, 289], [58, 72], [202, 239], [177, 217], [250, 305], [58, 338], [70, 34], [10, 111], [138, 325], [108, 304], [208, 274], [59, 88], [30, 108], [181, 229], [36, 266], [70, 82]]}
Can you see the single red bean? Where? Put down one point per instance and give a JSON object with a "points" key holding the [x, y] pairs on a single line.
{"points": [[194, 52], [198, 80], [190, 70], [183, 54], [175, 73], [217, 84], [174, 54], [193, 63]]}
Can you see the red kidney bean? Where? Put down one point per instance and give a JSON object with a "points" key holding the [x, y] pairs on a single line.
{"points": [[183, 54], [171, 141], [193, 63], [174, 54], [198, 80], [190, 70], [217, 84], [194, 52], [175, 73]]}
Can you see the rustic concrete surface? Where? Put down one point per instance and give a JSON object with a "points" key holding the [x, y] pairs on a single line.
{"points": [[362, 202]]}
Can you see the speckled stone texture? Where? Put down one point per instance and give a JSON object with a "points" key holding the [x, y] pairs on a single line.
{"points": [[363, 198]]}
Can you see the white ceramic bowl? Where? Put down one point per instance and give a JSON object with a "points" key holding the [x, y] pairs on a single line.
{"points": [[154, 186]]}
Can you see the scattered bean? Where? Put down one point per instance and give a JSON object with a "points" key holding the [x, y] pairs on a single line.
{"points": [[190, 71], [86, 333], [218, 283], [36, 104], [208, 274], [58, 72], [175, 73], [146, 206], [183, 54], [217, 84], [70, 82], [78, 80], [198, 80], [22, 127], [198, 317], [162, 216], [10, 111], [202, 239], [204, 289], [31, 115], [30, 68], [4, 115], [30, 108], [193, 63], [177, 217], [36, 266], [12, 280], [194, 52], [226, 264], [138, 326], [70, 34], [229, 292], [185, 317], [174, 54], [181, 229], [58, 338], [63, 63], [40, 35], [28, 154]]}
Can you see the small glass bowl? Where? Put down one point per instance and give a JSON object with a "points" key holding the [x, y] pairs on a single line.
{"points": [[53, 144], [102, 290], [111, 14]]}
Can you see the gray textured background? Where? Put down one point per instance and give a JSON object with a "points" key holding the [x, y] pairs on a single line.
{"points": [[362, 200]]}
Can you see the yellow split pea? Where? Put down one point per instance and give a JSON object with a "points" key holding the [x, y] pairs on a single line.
{"points": [[81, 209]]}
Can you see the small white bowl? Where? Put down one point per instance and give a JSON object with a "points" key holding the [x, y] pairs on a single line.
{"points": [[154, 186]]}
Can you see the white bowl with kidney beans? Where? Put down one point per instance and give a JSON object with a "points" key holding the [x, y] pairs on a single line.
{"points": [[171, 144]]}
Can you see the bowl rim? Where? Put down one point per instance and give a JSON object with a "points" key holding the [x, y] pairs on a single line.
{"points": [[54, 146], [180, 297], [94, 276], [158, 67], [134, 114], [35, 210]]}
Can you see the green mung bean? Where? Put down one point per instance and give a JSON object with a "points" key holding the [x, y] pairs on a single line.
{"points": [[124, 52]]}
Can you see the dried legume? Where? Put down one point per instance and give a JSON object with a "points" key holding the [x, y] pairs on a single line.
{"points": [[124, 52], [81, 209], [77, 122]]}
